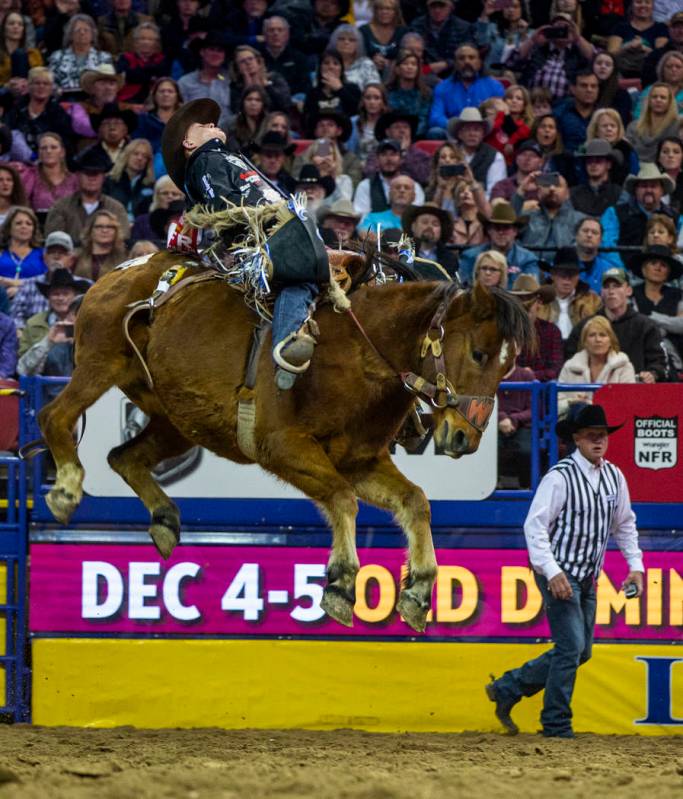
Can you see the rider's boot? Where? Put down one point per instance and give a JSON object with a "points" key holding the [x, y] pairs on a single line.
{"points": [[293, 356]]}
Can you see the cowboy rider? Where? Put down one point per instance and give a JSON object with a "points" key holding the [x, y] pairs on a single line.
{"points": [[199, 162]]}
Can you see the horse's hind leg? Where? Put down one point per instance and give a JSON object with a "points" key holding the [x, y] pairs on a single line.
{"points": [[57, 421], [304, 464], [134, 461], [382, 484]]}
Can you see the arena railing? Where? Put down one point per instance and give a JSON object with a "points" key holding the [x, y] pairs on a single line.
{"points": [[14, 673]]}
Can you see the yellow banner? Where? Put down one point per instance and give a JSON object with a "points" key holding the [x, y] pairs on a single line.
{"points": [[368, 685]]}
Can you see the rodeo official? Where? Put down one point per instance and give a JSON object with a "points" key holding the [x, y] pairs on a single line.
{"points": [[579, 502], [198, 161]]}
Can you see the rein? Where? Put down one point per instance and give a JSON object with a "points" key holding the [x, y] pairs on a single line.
{"points": [[476, 410]]}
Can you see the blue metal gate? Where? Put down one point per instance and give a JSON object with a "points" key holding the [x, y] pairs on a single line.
{"points": [[14, 672]]}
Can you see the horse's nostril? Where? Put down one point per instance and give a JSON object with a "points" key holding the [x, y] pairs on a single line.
{"points": [[459, 441]]}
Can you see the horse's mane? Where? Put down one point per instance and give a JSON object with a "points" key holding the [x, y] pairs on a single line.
{"points": [[513, 320]]}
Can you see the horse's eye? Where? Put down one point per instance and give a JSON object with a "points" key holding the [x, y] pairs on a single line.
{"points": [[479, 357]]}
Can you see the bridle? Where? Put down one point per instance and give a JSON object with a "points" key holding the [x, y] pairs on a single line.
{"points": [[440, 392]]}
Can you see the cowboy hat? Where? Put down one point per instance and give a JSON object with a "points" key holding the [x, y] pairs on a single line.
{"points": [[502, 213], [341, 119], [592, 416], [272, 141], [114, 111], [203, 111], [526, 287], [565, 258], [342, 208], [656, 252], [600, 148], [649, 171], [310, 176], [213, 40], [413, 211], [94, 159], [104, 72], [388, 119], [62, 279], [467, 116]]}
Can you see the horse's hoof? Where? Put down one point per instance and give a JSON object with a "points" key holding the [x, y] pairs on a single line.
{"points": [[413, 612], [337, 608], [61, 504], [165, 539]]}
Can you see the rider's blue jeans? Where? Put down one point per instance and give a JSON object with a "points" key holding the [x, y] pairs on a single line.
{"points": [[571, 624], [291, 309]]}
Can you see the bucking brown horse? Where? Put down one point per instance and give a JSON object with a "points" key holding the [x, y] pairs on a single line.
{"points": [[329, 436]]}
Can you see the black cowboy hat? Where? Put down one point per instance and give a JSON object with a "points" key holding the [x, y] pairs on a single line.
{"points": [[160, 217], [310, 176], [202, 111], [114, 111], [656, 252], [389, 118], [212, 39], [566, 258], [592, 416], [62, 279], [343, 121], [413, 211], [274, 142], [94, 159]]}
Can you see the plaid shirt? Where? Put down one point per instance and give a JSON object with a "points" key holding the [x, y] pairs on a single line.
{"points": [[553, 75], [547, 361], [27, 301]]}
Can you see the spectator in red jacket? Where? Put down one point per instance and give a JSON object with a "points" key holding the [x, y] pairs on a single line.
{"points": [[142, 66]]}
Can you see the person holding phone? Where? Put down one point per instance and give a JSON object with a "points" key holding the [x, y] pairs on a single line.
{"points": [[552, 56], [566, 530], [48, 328]]}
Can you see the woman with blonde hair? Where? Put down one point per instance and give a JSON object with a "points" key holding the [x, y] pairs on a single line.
{"points": [[49, 180], [512, 125], [102, 246], [669, 71], [248, 70], [131, 179], [325, 155], [598, 360], [658, 120], [606, 123], [165, 192], [442, 182], [491, 269]]}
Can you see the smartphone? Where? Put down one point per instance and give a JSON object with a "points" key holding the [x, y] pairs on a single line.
{"points": [[452, 170], [548, 179], [68, 330], [509, 127], [556, 32], [324, 148]]}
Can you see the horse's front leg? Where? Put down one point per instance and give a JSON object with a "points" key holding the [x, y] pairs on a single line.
{"points": [[303, 463], [381, 483]]}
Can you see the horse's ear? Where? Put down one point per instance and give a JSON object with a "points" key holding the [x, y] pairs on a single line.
{"points": [[483, 302]]}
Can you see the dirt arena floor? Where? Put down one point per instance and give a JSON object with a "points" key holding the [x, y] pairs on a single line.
{"points": [[42, 763]]}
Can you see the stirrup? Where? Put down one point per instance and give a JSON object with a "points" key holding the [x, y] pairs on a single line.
{"points": [[294, 353], [284, 380]]}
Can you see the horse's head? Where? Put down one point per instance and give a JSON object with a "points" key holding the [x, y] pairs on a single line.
{"points": [[482, 330]]}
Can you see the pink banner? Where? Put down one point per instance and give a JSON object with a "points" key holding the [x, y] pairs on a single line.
{"points": [[245, 591]]}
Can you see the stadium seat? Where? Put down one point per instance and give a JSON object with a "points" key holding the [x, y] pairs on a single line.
{"points": [[429, 146]]}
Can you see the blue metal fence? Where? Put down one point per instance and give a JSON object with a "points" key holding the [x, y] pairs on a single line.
{"points": [[15, 701]]}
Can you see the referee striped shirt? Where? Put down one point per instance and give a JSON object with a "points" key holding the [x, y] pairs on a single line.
{"points": [[576, 508]]}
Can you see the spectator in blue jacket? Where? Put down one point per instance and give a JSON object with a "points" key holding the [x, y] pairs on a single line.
{"points": [[574, 113], [502, 229], [466, 88]]}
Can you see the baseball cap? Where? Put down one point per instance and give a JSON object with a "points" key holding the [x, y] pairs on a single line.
{"points": [[389, 144], [615, 273], [58, 238], [532, 146]]}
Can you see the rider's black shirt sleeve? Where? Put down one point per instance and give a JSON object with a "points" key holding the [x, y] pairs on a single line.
{"points": [[214, 175]]}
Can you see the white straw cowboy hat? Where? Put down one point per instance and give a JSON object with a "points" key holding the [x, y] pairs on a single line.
{"points": [[342, 207], [467, 116], [103, 72], [649, 172]]}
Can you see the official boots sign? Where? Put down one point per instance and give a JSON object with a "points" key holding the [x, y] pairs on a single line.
{"points": [[655, 440]]}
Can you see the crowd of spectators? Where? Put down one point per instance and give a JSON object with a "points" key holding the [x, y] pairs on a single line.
{"points": [[513, 140]]}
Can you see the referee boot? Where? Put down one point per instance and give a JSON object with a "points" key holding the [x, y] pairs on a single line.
{"points": [[503, 707]]}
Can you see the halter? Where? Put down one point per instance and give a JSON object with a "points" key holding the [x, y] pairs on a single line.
{"points": [[476, 410]]}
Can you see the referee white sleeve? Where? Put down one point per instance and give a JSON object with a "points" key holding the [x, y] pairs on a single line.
{"points": [[545, 506], [624, 528]]}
